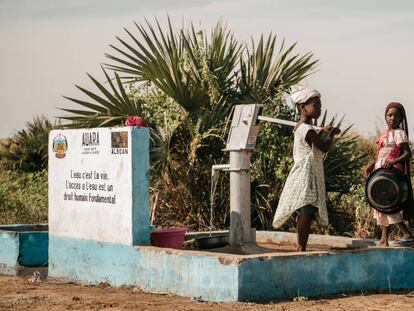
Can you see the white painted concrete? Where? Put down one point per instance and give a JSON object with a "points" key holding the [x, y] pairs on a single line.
{"points": [[95, 166]]}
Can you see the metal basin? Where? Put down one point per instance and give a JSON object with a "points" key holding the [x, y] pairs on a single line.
{"points": [[214, 241], [387, 190]]}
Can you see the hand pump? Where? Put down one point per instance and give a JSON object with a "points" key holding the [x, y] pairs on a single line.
{"points": [[240, 142]]}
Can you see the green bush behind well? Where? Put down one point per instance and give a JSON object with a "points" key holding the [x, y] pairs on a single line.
{"points": [[23, 197]]}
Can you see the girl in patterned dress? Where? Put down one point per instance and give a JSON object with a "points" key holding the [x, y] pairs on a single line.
{"points": [[304, 190], [394, 151]]}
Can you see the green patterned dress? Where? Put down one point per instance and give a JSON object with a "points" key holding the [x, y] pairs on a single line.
{"points": [[305, 183]]}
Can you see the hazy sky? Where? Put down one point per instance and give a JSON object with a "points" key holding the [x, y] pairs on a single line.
{"points": [[365, 48]]}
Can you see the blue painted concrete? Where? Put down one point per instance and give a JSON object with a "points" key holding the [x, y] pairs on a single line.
{"points": [[225, 277], [311, 275], [21, 247], [140, 184], [9, 252], [153, 269], [33, 249]]}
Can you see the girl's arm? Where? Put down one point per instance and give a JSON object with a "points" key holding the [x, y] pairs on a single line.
{"points": [[313, 138], [406, 155]]}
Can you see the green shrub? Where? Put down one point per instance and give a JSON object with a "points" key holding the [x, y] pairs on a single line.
{"points": [[350, 214], [23, 197]]}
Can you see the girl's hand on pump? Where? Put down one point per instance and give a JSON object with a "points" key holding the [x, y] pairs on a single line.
{"points": [[320, 141], [326, 128]]}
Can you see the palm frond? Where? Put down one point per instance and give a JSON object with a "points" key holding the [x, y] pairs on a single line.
{"points": [[108, 109], [265, 72], [157, 56]]}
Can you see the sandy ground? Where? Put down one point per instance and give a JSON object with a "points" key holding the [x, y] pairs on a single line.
{"points": [[18, 293]]}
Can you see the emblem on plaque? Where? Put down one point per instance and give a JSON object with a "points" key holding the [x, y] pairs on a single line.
{"points": [[60, 146]]}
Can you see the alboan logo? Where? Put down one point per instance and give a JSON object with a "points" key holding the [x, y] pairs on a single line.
{"points": [[60, 146], [119, 142]]}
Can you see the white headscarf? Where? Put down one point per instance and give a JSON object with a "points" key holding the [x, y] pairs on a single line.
{"points": [[300, 93]]}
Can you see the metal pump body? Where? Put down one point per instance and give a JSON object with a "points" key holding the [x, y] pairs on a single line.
{"points": [[240, 142]]}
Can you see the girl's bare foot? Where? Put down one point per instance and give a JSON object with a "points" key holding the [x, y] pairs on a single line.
{"points": [[382, 243], [300, 249]]}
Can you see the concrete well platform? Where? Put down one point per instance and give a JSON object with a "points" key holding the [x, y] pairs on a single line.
{"points": [[269, 270], [23, 247]]}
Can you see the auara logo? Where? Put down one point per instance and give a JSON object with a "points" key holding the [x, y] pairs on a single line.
{"points": [[60, 146]]}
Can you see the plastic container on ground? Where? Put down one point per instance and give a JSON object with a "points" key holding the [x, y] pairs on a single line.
{"points": [[171, 237]]}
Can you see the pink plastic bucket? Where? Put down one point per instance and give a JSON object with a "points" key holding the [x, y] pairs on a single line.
{"points": [[171, 237]]}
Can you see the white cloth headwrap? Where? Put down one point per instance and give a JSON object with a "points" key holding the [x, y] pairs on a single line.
{"points": [[300, 94]]}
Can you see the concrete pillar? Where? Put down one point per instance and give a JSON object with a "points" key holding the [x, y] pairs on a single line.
{"points": [[240, 223]]}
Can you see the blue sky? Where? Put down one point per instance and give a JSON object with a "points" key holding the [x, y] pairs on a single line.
{"points": [[365, 48]]}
